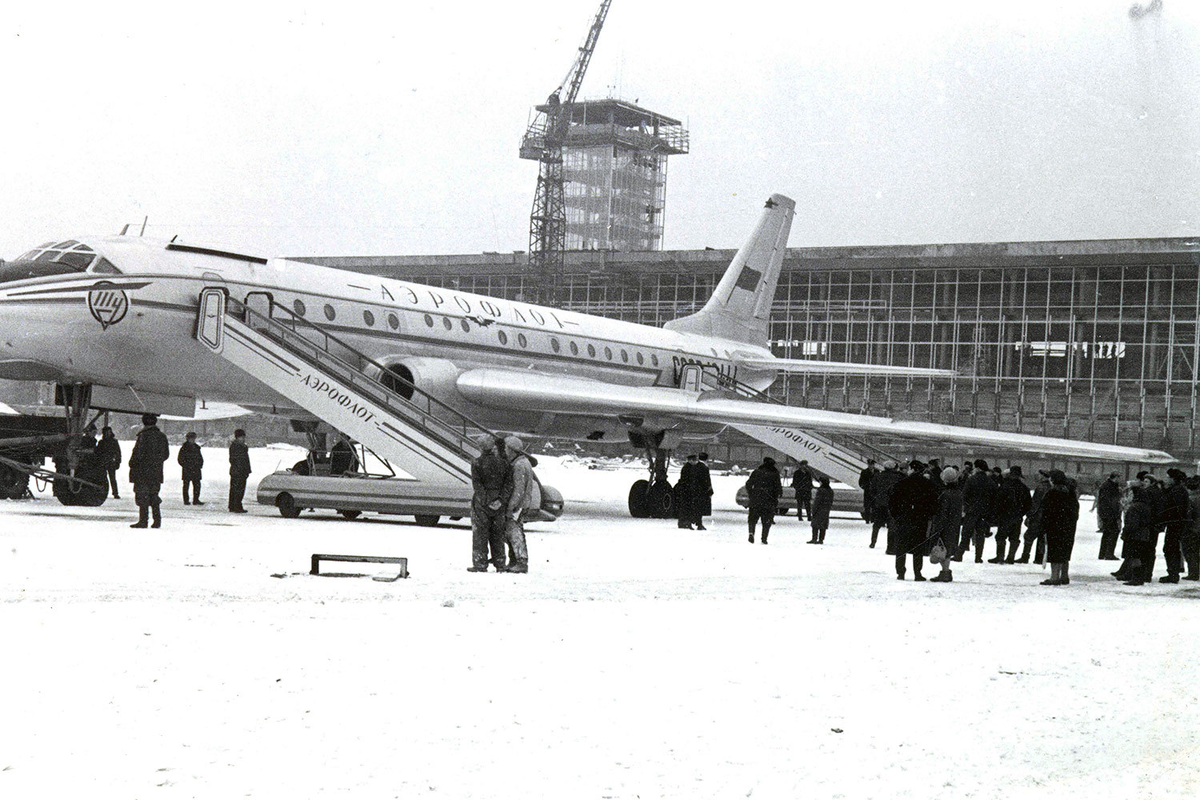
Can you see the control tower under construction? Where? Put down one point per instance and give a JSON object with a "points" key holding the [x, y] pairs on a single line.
{"points": [[614, 171]]}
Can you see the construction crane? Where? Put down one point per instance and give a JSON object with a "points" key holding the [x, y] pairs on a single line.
{"points": [[543, 142]]}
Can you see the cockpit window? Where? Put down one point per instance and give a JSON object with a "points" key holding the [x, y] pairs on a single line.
{"points": [[78, 260], [59, 258]]}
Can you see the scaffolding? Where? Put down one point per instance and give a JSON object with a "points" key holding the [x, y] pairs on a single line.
{"points": [[614, 171]]}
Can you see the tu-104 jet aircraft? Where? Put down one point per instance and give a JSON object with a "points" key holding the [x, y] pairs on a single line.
{"points": [[413, 372]]}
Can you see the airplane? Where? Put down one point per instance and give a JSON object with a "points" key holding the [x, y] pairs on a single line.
{"points": [[133, 324]]}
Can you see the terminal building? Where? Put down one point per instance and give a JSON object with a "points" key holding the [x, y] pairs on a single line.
{"points": [[1093, 340]]}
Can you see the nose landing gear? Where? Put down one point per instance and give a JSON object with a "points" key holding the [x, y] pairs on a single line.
{"points": [[80, 460]]}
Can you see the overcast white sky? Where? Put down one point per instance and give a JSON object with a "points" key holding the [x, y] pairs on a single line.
{"points": [[344, 128]]}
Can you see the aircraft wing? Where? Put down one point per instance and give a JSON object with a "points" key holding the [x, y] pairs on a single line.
{"points": [[570, 395], [840, 368]]}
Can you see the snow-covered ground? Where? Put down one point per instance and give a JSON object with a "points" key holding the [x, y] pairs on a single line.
{"points": [[635, 660]]}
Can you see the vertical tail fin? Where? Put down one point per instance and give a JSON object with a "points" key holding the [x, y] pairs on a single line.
{"points": [[741, 304]]}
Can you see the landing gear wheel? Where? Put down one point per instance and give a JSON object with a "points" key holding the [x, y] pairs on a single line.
{"points": [[660, 501], [13, 484], [70, 493], [350, 513], [639, 507], [287, 506], [428, 520]]}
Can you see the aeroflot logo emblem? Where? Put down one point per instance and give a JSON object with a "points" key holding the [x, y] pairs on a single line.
{"points": [[108, 304]]}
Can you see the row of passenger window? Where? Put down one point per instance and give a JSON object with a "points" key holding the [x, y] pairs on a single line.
{"points": [[555, 345]]}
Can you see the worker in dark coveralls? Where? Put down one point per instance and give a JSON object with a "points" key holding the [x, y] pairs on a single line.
{"points": [[192, 461], [802, 484], [1013, 503], [525, 501], [1108, 515], [491, 480], [822, 505], [1060, 514], [687, 492], [239, 471], [108, 452], [763, 489], [705, 491], [979, 500], [881, 492], [146, 470], [911, 506]]}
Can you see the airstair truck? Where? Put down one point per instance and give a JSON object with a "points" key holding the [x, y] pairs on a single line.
{"points": [[428, 440]]}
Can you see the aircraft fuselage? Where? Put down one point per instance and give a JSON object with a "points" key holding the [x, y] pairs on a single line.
{"points": [[135, 327]]}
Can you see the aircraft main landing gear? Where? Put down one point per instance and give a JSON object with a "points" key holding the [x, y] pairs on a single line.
{"points": [[654, 497]]}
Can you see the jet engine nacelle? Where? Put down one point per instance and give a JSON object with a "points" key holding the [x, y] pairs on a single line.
{"points": [[433, 376]]}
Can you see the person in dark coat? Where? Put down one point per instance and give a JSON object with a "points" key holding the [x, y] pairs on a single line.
{"points": [[822, 505], [704, 491], [1060, 515], [342, 458], [1033, 523], [239, 471], [1012, 504], [108, 451], [802, 484], [881, 493], [492, 481], [192, 461], [864, 483], [687, 493], [1108, 515], [146, 470], [1191, 537], [946, 525], [763, 489], [911, 505], [1156, 498], [1139, 532], [979, 500], [1174, 518]]}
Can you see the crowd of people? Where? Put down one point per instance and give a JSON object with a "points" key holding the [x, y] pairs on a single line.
{"points": [[150, 451], [929, 511], [945, 512]]}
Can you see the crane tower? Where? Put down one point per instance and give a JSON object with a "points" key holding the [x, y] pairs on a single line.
{"points": [[602, 168]]}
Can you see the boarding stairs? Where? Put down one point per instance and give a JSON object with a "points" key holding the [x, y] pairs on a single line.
{"points": [[330, 379], [842, 459]]}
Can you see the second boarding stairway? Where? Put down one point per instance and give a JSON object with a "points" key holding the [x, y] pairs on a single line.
{"points": [[842, 460], [334, 382]]}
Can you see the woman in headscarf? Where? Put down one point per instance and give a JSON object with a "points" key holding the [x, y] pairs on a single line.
{"points": [[946, 525]]}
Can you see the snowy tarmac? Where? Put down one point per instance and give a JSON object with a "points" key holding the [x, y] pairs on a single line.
{"points": [[635, 660]]}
